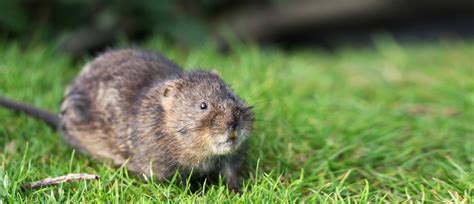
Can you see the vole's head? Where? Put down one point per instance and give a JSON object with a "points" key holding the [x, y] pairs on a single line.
{"points": [[204, 114]]}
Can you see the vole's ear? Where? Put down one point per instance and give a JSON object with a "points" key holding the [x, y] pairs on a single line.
{"points": [[168, 92]]}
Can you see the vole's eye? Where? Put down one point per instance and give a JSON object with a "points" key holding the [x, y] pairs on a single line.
{"points": [[203, 106]]}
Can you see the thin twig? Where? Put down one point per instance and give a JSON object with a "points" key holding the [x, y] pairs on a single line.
{"points": [[60, 179]]}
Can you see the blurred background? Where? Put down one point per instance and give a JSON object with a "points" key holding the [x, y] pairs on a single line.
{"points": [[81, 27]]}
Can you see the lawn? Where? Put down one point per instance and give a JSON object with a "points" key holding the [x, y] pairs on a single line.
{"points": [[390, 123]]}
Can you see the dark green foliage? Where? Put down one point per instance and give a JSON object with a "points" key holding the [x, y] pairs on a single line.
{"points": [[13, 18], [136, 19]]}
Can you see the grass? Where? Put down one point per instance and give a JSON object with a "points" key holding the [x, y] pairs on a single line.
{"points": [[387, 124]]}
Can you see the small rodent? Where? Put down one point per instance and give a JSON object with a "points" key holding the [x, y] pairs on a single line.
{"points": [[138, 107]]}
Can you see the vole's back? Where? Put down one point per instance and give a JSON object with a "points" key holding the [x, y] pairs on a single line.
{"points": [[99, 103]]}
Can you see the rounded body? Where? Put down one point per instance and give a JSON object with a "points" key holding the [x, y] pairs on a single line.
{"points": [[118, 109]]}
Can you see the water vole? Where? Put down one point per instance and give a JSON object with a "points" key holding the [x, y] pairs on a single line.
{"points": [[138, 107]]}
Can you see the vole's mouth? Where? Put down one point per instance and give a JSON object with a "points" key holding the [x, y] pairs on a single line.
{"points": [[230, 142], [227, 146]]}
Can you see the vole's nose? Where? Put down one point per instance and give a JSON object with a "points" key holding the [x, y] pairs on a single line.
{"points": [[232, 123], [233, 135]]}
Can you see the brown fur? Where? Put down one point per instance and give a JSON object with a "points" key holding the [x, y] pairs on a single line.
{"points": [[138, 106]]}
